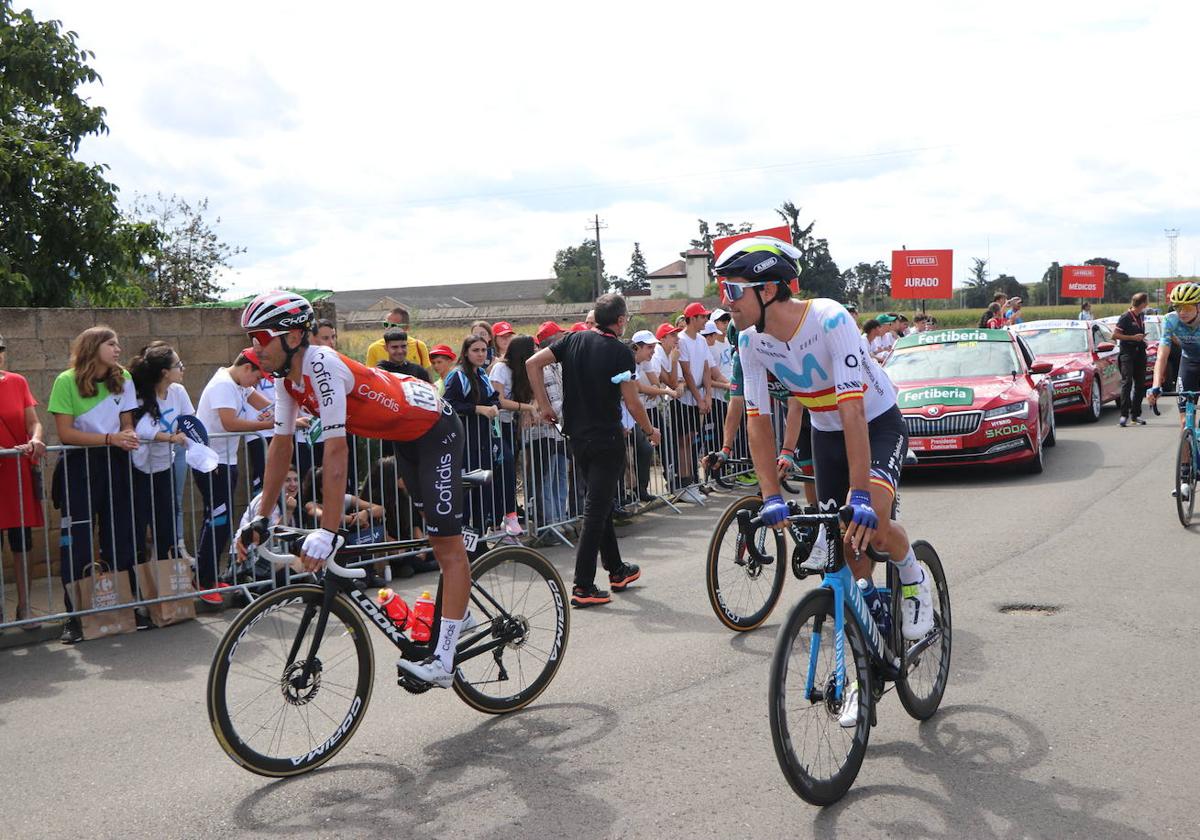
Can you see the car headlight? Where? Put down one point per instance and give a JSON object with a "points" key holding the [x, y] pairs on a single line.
{"points": [[1016, 409], [1068, 377]]}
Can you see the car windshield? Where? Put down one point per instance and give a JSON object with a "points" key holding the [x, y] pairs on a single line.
{"points": [[1056, 340], [952, 361], [1153, 331]]}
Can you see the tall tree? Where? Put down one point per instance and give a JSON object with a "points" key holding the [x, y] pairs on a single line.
{"points": [[1009, 285], [977, 284], [1118, 286], [185, 263], [575, 271], [868, 284], [1052, 278], [719, 229], [62, 236], [819, 274], [636, 279]]}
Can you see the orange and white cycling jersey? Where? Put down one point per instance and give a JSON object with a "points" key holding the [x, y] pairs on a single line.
{"points": [[346, 394]]}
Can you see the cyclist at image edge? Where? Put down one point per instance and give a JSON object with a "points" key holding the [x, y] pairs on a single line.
{"points": [[1182, 325], [859, 435], [372, 403]]}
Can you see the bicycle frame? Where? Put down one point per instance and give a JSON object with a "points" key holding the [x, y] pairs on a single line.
{"points": [[468, 647]]}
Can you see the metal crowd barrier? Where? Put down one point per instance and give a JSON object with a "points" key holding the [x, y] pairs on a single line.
{"points": [[98, 489]]}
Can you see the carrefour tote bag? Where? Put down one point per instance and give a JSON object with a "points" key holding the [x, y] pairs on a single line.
{"points": [[97, 589], [170, 577]]}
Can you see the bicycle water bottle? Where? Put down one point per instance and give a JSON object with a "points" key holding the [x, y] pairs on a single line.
{"points": [[880, 610], [421, 619], [395, 608]]}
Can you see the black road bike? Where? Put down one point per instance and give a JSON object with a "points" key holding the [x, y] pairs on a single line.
{"points": [[292, 676]]}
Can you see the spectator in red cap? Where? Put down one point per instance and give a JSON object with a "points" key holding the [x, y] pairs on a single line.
{"points": [[223, 399], [502, 334], [547, 330], [442, 358], [579, 326], [696, 402]]}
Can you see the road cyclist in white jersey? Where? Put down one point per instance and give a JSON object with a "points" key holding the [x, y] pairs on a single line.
{"points": [[859, 436]]}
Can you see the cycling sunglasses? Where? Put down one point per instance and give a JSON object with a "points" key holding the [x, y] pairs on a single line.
{"points": [[262, 338], [734, 290]]}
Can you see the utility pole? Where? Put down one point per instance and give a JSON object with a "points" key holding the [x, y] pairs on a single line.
{"points": [[596, 225]]}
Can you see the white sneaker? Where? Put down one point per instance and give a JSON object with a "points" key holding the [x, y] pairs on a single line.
{"points": [[512, 525], [469, 623], [1184, 492], [429, 671], [848, 719], [917, 608], [691, 494]]}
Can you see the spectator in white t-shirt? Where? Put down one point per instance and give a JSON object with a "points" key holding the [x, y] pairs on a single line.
{"points": [[224, 398], [157, 377], [721, 354], [665, 365]]}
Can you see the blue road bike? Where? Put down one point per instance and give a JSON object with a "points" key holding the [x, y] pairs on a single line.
{"points": [[828, 673], [1188, 455]]}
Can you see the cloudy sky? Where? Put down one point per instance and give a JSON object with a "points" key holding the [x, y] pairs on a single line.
{"points": [[357, 145]]}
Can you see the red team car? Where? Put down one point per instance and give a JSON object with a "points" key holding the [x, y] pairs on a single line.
{"points": [[1086, 374], [972, 396]]}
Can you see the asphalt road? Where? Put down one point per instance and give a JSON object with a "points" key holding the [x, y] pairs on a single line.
{"points": [[1080, 723]]}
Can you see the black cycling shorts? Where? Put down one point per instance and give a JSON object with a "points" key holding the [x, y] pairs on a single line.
{"points": [[888, 435], [804, 445], [1189, 379], [431, 467]]}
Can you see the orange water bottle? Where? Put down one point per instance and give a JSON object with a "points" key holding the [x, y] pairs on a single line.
{"points": [[422, 618], [395, 608]]}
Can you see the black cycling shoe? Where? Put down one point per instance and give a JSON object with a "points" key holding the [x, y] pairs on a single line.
{"points": [[143, 621], [624, 576]]}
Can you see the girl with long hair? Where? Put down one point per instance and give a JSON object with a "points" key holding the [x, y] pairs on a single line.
{"points": [[93, 403], [470, 393], [158, 380], [511, 381]]}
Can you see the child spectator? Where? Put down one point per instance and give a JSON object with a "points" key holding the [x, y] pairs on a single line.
{"points": [[470, 393], [363, 520], [502, 334], [509, 378], [442, 358], [20, 507], [484, 330], [223, 399], [158, 381], [284, 512], [93, 403]]}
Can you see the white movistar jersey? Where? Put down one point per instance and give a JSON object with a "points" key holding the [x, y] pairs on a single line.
{"points": [[825, 362]]}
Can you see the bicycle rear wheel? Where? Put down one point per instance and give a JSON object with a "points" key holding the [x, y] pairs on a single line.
{"points": [[819, 758], [267, 716], [1185, 476], [924, 682], [741, 591], [517, 596]]}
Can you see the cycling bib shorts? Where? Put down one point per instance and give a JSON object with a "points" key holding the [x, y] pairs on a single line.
{"points": [[888, 436]]}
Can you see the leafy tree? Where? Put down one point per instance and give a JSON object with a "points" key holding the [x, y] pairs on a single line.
{"points": [[819, 274], [718, 230], [1008, 284], [575, 270], [1052, 278], [637, 278], [187, 257], [868, 284], [977, 291], [62, 236]]}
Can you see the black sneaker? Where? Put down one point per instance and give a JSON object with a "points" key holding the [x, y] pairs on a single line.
{"points": [[143, 620], [624, 576], [72, 633], [589, 596]]}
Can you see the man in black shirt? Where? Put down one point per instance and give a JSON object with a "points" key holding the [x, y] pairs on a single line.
{"points": [[598, 373], [1131, 333], [396, 344]]}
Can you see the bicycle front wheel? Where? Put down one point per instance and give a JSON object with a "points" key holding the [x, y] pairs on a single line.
{"points": [[1185, 480], [277, 707], [743, 592], [924, 681], [819, 757], [519, 602]]}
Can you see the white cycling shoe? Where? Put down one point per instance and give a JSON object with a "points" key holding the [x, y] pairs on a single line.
{"points": [[917, 608], [848, 719], [430, 671]]}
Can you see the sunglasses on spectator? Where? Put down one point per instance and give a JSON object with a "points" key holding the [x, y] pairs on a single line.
{"points": [[263, 337], [177, 366], [734, 290]]}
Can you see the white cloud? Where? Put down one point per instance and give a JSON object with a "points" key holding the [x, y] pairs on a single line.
{"points": [[362, 146]]}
